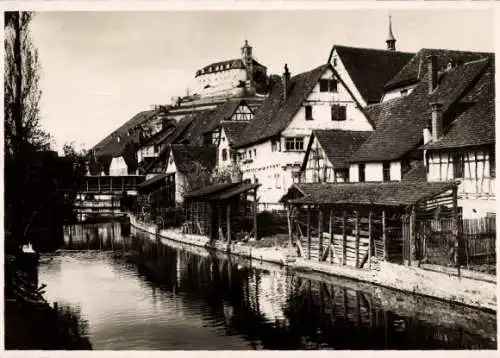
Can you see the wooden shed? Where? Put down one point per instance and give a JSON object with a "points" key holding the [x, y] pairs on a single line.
{"points": [[359, 224], [222, 211]]}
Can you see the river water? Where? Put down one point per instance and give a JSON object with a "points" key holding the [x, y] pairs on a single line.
{"points": [[132, 293]]}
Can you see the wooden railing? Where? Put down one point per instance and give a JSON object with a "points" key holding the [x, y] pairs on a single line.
{"points": [[109, 184]]}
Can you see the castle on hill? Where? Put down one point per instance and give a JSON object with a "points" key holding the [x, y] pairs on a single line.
{"points": [[239, 77]]}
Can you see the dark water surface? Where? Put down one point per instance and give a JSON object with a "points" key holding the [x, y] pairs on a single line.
{"points": [[144, 295]]}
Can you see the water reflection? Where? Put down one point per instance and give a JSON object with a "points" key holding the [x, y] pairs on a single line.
{"points": [[146, 295]]}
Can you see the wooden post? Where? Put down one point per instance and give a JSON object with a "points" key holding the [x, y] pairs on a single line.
{"points": [[344, 238], [455, 230], [228, 222], [123, 183], [413, 235], [87, 184], [99, 185], [219, 215], [330, 231], [370, 239], [320, 233], [255, 214], [384, 235], [308, 232], [357, 237]]}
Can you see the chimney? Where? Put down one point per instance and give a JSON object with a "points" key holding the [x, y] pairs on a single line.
{"points": [[437, 120], [286, 81], [432, 72]]}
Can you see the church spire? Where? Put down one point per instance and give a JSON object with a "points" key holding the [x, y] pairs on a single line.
{"points": [[391, 40]]}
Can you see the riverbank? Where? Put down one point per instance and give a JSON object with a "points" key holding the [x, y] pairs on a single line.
{"points": [[469, 291], [30, 322]]}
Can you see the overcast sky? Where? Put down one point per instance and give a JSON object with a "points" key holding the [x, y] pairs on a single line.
{"points": [[100, 68]]}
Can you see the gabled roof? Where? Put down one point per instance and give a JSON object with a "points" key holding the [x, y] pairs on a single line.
{"points": [[370, 69], [169, 137], [225, 111], [476, 124], [110, 146], [275, 113], [185, 155], [400, 123], [337, 145], [386, 194], [416, 68], [233, 130]]}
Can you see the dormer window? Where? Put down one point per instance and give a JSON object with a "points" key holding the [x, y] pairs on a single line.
{"points": [[404, 92]]}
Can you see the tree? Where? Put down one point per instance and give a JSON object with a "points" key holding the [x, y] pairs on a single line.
{"points": [[21, 88]]}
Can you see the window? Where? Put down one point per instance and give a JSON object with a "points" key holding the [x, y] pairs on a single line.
{"points": [[327, 85], [323, 85], [361, 168], [492, 164], [277, 181], [224, 154], [255, 152], [386, 171], [274, 146], [339, 113], [334, 62], [341, 175], [309, 113], [404, 92], [458, 165], [249, 154], [294, 144]]}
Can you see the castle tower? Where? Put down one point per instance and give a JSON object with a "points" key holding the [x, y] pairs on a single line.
{"points": [[246, 57], [391, 40]]}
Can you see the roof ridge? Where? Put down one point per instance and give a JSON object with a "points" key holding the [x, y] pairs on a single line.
{"points": [[371, 49]]}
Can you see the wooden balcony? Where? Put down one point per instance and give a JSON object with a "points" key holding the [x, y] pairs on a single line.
{"points": [[109, 184]]}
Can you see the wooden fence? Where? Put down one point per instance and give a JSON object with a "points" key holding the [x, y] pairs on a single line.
{"points": [[479, 236]]}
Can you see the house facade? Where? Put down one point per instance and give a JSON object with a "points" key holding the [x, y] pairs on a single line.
{"points": [[190, 166], [324, 161], [272, 147], [465, 149], [405, 123]]}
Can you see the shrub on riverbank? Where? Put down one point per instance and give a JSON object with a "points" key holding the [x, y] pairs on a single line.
{"points": [[30, 322], [38, 326]]}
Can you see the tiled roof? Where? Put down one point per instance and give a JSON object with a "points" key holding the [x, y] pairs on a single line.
{"points": [[191, 128], [167, 138], [185, 155], [387, 194], [400, 123], [233, 130], [110, 146], [370, 69], [416, 68], [476, 124], [418, 173], [210, 189], [224, 112], [236, 63], [199, 125], [221, 191], [275, 113], [338, 144]]}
